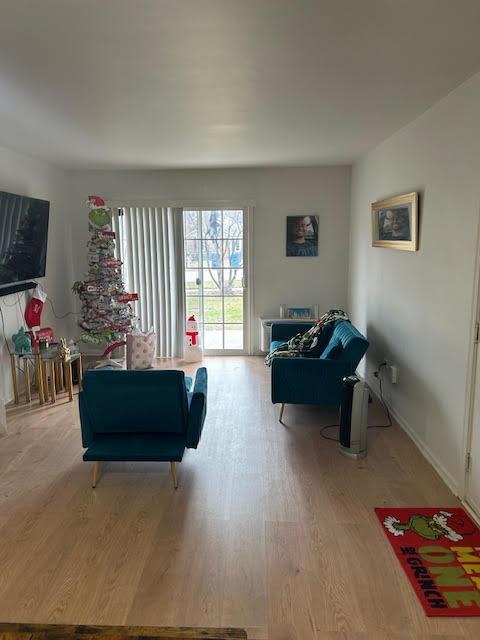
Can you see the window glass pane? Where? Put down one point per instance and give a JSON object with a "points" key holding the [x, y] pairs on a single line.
{"points": [[234, 310], [192, 282], [191, 227], [212, 253], [233, 253], [232, 279], [192, 253], [213, 309], [212, 282], [213, 336], [193, 306], [233, 336], [233, 224], [212, 224]]}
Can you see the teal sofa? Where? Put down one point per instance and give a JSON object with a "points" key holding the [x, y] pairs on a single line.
{"points": [[141, 415], [317, 379]]}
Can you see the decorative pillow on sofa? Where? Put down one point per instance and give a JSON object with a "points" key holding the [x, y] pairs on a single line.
{"points": [[140, 350], [333, 351]]}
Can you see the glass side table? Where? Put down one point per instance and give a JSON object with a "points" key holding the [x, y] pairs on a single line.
{"points": [[52, 375]]}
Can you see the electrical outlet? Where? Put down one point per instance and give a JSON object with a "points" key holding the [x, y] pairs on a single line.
{"points": [[383, 365], [393, 374]]}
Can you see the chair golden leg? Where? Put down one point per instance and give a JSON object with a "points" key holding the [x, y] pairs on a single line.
{"points": [[173, 469], [96, 473], [281, 412]]}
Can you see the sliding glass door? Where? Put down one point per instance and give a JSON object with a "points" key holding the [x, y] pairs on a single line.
{"points": [[215, 277]]}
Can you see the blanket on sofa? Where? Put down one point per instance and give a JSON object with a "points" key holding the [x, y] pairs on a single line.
{"points": [[302, 343]]}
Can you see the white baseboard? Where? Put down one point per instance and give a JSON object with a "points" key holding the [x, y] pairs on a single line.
{"points": [[472, 511], [424, 449]]}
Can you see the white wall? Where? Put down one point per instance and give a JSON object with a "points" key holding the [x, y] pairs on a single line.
{"points": [[416, 307], [31, 177], [276, 193]]}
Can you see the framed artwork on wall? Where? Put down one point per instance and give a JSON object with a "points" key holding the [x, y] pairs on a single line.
{"points": [[395, 222], [299, 313], [302, 236]]}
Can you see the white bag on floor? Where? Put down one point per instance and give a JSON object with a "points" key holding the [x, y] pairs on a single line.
{"points": [[141, 350]]}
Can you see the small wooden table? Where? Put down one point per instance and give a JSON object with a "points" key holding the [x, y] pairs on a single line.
{"points": [[52, 374], [16, 631]]}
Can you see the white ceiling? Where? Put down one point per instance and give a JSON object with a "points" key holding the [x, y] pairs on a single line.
{"points": [[215, 83]]}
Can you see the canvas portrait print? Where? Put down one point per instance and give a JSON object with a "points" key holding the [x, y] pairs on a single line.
{"points": [[302, 236], [394, 222]]}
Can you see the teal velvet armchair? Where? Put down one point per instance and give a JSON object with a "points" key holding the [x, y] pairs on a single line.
{"points": [[141, 416]]}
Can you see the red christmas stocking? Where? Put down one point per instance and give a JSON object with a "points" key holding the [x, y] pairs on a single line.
{"points": [[33, 312]]}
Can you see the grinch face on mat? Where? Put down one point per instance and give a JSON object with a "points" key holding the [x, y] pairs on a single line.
{"points": [[429, 528]]}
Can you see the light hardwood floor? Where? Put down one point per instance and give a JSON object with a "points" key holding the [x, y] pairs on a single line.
{"points": [[270, 529]]}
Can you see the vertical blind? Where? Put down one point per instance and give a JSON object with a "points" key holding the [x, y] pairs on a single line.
{"points": [[150, 245]]}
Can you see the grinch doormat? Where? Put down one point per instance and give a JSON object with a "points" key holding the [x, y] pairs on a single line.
{"points": [[439, 550]]}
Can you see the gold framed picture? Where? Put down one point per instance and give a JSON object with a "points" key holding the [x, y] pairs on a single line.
{"points": [[395, 222]]}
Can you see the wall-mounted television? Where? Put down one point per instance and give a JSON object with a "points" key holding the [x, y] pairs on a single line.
{"points": [[23, 238]]}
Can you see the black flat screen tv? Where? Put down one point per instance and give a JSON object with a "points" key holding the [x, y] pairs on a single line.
{"points": [[23, 238]]}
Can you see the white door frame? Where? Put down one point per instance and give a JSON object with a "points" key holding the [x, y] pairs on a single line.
{"points": [[248, 213], [473, 354], [248, 207], [221, 205]]}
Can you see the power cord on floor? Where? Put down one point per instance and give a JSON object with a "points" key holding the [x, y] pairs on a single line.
{"points": [[329, 426], [378, 375]]}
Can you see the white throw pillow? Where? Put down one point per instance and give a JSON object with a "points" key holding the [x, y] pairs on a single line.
{"points": [[140, 350]]}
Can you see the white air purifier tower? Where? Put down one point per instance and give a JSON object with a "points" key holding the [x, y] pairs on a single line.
{"points": [[353, 418]]}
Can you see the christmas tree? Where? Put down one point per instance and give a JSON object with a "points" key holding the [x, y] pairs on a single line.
{"points": [[106, 313]]}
